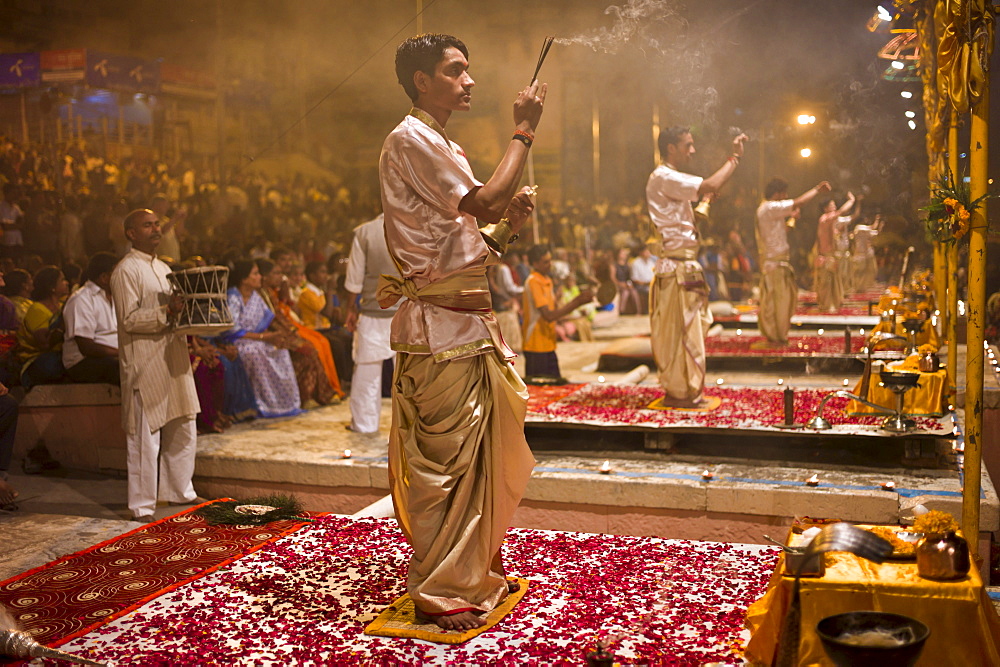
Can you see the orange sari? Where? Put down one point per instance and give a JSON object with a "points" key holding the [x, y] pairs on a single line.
{"points": [[311, 336]]}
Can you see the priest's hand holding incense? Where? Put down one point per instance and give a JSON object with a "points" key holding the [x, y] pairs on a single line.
{"points": [[528, 106]]}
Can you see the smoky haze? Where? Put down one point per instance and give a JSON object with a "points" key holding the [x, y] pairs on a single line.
{"points": [[712, 64]]}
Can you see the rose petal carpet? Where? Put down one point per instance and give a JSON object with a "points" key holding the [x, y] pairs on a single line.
{"points": [[306, 598]]}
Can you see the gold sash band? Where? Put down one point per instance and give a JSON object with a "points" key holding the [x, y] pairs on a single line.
{"points": [[468, 291]]}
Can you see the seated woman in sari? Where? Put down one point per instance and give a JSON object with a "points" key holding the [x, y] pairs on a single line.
{"points": [[240, 403], [224, 390], [266, 361], [40, 336], [319, 310], [210, 383], [314, 366]]}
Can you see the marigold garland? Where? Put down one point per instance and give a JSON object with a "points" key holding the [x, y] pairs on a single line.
{"points": [[949, 212], [935, 522]]}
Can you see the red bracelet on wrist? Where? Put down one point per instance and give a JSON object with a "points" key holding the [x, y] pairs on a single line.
{"points": [[526, 138]]}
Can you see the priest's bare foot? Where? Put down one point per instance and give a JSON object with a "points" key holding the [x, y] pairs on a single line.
{"points": [[683, 403], [460, 622], [8, 494], [513, 587]]}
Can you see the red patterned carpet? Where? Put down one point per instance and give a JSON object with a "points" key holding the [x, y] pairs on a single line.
{"points": [[78, 592], [306, 599]]}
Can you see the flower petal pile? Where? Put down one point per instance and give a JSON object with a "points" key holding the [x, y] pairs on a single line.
{"points": [[307, 598]]}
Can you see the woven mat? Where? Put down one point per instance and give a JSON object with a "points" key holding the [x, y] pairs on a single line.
{"points": [[399, 620], [708, 404]]}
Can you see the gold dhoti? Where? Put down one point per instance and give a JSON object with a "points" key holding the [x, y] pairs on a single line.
{"points": [[510, 327], [865, 272], [458, 466], [778, 296], [829, 283], [679, 319]]}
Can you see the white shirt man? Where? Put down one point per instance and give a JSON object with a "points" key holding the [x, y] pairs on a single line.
{"points": [[159, 401], [368, 260], [90, 346]]}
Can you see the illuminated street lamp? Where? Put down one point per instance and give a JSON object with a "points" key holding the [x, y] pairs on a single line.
{"points": [[805, 152], [806, 119], [905, 94]]}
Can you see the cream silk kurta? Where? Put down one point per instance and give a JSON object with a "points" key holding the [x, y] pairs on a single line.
{"points": [[678, 297], [458, 460], [154, 360], [778, 290], [424, 177]]}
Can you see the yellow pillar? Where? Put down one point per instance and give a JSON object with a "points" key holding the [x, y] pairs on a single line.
{"points": [[976, 316], [940, 279], [950, 308]]}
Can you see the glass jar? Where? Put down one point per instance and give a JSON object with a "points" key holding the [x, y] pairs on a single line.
{"points": [[942, 556]]}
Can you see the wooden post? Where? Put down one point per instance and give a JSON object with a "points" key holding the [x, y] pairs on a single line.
{"points": [[595, 133], [976, 315]]}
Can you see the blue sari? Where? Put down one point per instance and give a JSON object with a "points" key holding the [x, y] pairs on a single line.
{"points": [[269, 368]]}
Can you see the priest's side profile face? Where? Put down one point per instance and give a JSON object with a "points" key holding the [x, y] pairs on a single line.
{"points": [[450, 87]]}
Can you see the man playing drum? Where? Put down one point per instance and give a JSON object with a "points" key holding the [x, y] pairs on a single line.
{"points": [[159, 401]]}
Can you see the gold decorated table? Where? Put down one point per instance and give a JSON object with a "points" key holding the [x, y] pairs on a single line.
{"points": [[925, 400], [965, 628]]}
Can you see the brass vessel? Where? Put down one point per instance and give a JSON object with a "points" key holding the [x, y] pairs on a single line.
{"points": [[942, 556]]}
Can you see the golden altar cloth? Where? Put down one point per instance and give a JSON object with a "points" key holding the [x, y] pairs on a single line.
{"points": [[926, 400], [965, 628]]}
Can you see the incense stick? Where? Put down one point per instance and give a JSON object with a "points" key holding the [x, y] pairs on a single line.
{"points": [[541, 57]]}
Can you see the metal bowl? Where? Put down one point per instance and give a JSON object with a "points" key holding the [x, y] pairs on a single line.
{"points": [[899, 378], [911, 633]]}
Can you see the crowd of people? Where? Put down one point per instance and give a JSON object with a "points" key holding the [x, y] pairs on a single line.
{"points": [[319, 304], [286, 242]]}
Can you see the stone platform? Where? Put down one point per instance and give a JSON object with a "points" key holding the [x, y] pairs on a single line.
{"points": [[757, 485]]}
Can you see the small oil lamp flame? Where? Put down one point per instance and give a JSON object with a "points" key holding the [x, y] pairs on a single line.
{"points": [[813, 481], [605, 468], [707, 475], [889, 486], [347, 454]]}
